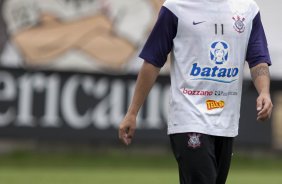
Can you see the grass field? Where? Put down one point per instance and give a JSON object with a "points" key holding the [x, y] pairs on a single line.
{"points": [[121, 168]]}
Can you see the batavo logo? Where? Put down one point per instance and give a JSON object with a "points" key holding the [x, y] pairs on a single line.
{"points": [[212, 104], [219, 52]]}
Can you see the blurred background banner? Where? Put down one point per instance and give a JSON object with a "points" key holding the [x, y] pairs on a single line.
{"points": [[68, 70], [68, 105], [80, 35]]}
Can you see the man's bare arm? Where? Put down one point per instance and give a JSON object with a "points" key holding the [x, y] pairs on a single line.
{"points": [[261, 79], [100, 45], [146, 78]]}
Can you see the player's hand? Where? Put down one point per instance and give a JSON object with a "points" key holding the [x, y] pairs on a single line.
{"points": [[127, 129], [264, 107]]}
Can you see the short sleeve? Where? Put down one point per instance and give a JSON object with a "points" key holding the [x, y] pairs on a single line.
{"points": [[257, 51], [160, 41]]}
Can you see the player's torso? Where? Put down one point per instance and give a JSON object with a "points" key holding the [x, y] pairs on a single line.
{"points": [[212, 39], [209, 52]]}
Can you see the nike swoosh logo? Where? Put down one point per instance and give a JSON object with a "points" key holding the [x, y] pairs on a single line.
{"points": [[196, 23]]}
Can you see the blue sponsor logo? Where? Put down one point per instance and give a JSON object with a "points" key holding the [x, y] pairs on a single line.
{"points": [[219, 52], [219, 55]]}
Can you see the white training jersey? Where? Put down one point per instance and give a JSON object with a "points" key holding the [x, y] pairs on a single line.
{"points": [[209, 41]]}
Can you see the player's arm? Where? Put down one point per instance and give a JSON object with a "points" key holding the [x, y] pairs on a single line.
{"points": [[154, 53], [259, 60], [261, 79], [146, 78]]}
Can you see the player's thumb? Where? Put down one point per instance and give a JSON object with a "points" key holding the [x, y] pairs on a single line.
{"points": [[259, 104], [131, 132]]}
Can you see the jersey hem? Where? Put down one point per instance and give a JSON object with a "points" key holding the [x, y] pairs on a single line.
{"points": [[219, 132]]}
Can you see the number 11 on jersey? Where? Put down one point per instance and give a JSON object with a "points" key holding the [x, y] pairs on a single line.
{"points": [[216, 29]]}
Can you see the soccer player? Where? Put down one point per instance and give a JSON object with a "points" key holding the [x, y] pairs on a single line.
{"points": [[209, 41]]}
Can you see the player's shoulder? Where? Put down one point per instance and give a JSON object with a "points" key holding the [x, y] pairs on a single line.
{"points": [[245, 6], [172, 5], [244, 3]]}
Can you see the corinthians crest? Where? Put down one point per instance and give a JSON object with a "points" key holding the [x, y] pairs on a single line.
{"points": [[239, 24], [194, 140]]}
